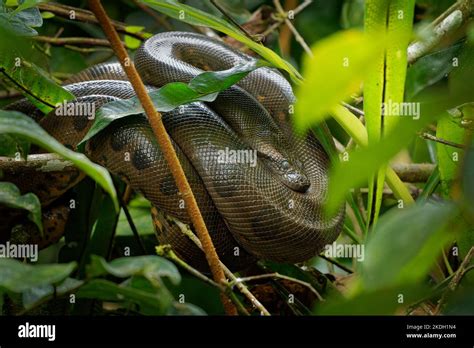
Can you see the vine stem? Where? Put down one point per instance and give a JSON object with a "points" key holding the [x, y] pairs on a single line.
{"points": [[154, 118]]}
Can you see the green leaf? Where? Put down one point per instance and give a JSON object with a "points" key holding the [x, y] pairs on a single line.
{"points": [[47, 15], [17, 277], [12, 122], [334, 73], [430, 69], [406, 243], [151, 267], [33, 82], [149, 303], [11, 196], [35, 295], [194, 16], [131, 42], [203, 87]]}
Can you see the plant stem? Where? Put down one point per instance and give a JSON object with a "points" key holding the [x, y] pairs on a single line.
{"points": [[166, 146]]}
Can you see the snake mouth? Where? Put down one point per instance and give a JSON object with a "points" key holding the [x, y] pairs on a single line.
{"points": [[296, 181]]}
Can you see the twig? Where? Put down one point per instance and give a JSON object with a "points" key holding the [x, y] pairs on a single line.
{"points": [[413, 172], [355, 110], [241, 28], [87, 49], [167, 251], [429, 136], [453, 284], [85, 16], [60, 41], [285, 32], [281, 19], [278, 275], [241, 286], [131, 224], [290, 25], [450, 21], [154, 118]]}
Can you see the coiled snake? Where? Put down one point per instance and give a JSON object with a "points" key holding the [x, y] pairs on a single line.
{"points": [[268, 208]]}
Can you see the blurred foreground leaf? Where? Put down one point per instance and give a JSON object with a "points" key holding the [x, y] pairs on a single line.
{"points": [[406, 243]]}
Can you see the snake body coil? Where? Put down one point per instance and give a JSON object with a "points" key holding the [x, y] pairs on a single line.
{"points": [[270, 208]]}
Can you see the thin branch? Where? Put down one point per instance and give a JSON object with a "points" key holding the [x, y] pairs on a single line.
{"points": [[154, 118], [290, 25], [60, 41], [413, 172], [241, 286], [232, 20], [458, 275], [281, 276], [167, 251], [85, 16], [429, 136], [281, 19], [446, 24]]}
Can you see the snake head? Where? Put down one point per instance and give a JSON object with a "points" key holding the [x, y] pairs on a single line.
{"points": [[293, 176]]}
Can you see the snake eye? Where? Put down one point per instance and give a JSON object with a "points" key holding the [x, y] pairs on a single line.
{"points": [[285, 165]]}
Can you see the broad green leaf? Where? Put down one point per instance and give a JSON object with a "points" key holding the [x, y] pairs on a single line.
{"points": [[194, 16], [203, 87], [10, 196], [336, 71], [430, 69], [29, 79], [17, 277], [151, 267], [30, 17], [16, 123], [34, 295], [157, 303], [406, 244]]}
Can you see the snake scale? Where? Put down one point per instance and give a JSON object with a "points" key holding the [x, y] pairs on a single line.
{"points": [[269, 209]]}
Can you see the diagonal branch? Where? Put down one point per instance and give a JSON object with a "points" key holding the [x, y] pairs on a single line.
{"points": [[154, 118]]}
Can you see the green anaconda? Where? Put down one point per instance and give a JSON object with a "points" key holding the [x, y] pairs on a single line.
{"points": [[269, 205]]}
